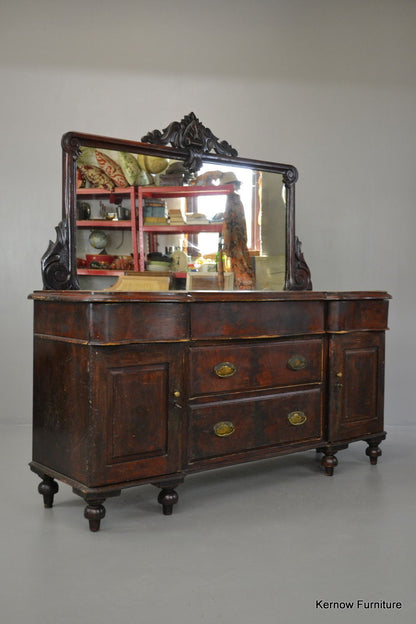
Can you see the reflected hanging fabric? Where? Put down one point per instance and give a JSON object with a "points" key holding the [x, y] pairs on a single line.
{"points": [[235, 243]]}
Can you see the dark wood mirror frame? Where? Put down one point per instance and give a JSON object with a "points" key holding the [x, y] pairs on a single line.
{"points": [[191, 142]]}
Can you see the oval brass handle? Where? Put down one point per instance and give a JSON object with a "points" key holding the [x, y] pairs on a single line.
{"points": [[224, 428], [225, 369], [297, 418], [297, 362]]}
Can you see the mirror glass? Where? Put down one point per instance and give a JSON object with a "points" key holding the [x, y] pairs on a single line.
{"points": [[180, 220]]}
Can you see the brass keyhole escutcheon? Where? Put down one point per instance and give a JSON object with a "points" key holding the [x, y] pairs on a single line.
{"points": [[297, 418], [297, 362], [224, 428], [225, 369], [177, 395]]}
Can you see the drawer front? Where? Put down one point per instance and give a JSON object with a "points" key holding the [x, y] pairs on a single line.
{"points": [[254, 365], [256, 319], [223, 428], [357, 315]]}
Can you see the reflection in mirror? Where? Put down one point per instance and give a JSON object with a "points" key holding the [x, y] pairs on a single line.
{"points": [[149, 214]]}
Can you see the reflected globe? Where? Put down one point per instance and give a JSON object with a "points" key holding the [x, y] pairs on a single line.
{"points": [[98, 239]]}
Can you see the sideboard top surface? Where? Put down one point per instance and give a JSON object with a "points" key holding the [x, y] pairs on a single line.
{"points": [[88, 296]]}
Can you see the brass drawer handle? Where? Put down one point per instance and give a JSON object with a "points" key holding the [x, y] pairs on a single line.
{"points": [[297, 418], [297, 362], [224, 429], [225, 369]]}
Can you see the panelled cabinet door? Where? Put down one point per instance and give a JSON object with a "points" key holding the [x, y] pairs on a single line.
{"points": [[136, 411], [356, 384]]}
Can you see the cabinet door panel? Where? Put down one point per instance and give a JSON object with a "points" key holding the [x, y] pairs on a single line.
{"points": [[133, 430], [134, 415], [356, 384]]}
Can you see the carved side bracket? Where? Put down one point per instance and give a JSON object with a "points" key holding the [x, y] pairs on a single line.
{"points": [[302, 274], [195, 138], [55, 263]]}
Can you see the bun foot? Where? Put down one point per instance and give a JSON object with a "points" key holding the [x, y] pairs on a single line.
{"points": [[329, 462], [48, 488], [94, 512], [168, 497], [373, 451]]}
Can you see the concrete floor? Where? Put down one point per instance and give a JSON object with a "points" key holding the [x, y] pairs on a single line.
{"points": [[254, 544]]}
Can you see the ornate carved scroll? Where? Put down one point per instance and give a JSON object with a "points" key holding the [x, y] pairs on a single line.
{"points": [[55, 263], [302, 274], [191, 135], [290, 176]]}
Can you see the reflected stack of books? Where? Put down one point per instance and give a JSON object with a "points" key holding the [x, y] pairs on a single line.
{"points": [[154, 212], [175, 216], [196, 218]]}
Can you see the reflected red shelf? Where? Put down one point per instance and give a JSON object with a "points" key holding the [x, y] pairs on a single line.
{"points": [[183, 229], [184, 191], [105, 223], [100, 191], [100, 272]]}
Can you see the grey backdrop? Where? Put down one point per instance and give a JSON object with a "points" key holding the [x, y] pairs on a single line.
{"points": [[326, 85]]}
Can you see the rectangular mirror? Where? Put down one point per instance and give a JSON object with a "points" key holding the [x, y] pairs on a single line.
{"points": [[136, 208]]}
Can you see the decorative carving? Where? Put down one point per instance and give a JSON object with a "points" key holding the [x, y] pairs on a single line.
{"points": [[55, 263], [290, 176], [191, 135], [302, 276], [71, 144]]}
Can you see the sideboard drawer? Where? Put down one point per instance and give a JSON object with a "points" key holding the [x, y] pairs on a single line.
{"points": [[256, 319], [226, 427], [254, 365]]}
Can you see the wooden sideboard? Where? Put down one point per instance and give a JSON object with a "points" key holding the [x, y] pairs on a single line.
{"points": [[134, 388]]}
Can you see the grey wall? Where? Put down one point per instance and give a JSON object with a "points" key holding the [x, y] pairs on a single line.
{"points": [[327, 85]]}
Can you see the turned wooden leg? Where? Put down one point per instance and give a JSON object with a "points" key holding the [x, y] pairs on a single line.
{"points": [[48, 488], [94, 512], [329, 461], [373, 451], [168, 496]]}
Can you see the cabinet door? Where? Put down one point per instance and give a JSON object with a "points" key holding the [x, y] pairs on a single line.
{"points": [[136, 413], [356, 384]]}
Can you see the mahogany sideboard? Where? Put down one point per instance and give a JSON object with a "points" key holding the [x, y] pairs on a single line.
{"points": [[135, 388]]}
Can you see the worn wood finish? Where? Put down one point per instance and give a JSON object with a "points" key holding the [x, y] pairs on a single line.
{"points": [[259, 422], [133, 388], [255, 365]]}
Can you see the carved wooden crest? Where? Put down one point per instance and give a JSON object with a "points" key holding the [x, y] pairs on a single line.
{"points": [[191, 135]]}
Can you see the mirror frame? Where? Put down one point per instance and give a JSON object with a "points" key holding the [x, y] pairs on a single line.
{"points": [[191, 142]]}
